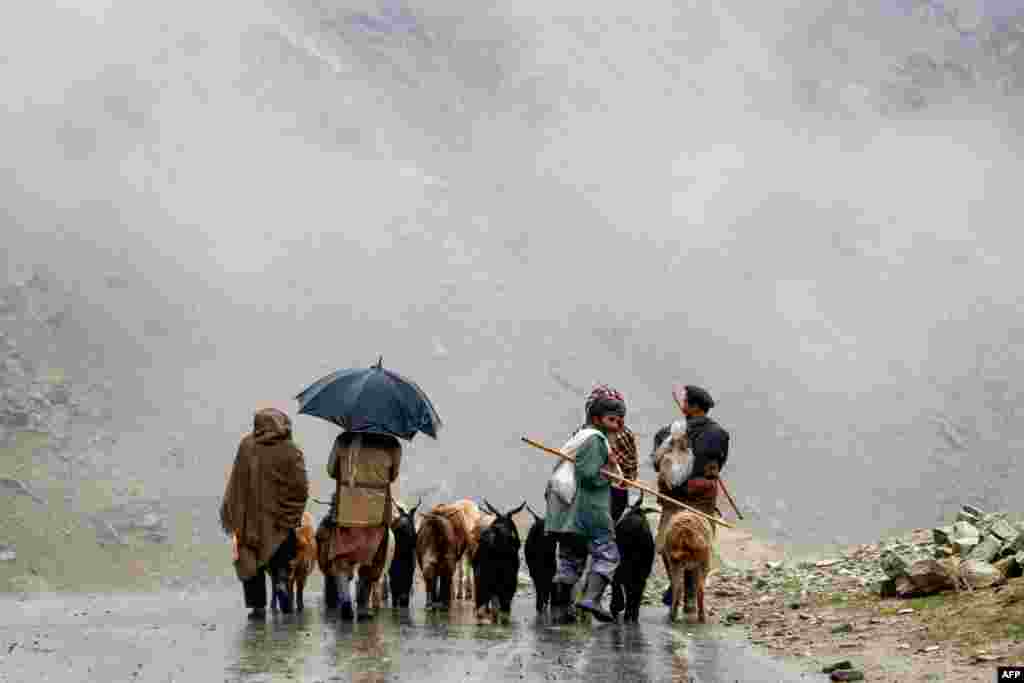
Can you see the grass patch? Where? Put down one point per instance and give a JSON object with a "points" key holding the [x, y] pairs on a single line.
{"points": [[980, 618], [56, 543], [929, 602]]}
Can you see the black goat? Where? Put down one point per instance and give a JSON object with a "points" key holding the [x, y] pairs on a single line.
{"points": [[636, 548], [541, 560], [403, 562], [496, 564]]}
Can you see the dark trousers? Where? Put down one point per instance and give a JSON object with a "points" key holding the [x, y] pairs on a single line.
{"points": [[620, 498], [255, 588]]}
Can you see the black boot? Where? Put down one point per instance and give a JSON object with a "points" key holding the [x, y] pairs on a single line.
{"points": [[562, 611], [690, 584], [331, 592], [345, 588], [591, 601], [284, 598], [363, 600]]}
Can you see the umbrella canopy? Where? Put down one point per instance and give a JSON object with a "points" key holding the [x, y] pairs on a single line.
{"points": [[371, 400]]}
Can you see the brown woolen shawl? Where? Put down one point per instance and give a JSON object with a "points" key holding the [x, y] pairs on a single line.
{"points": [[266, 493]]}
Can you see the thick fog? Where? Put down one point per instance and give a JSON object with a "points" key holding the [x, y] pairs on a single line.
{"points": [[808, 208]]}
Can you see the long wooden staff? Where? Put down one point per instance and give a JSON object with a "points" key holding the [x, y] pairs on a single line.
{"points": [[630, 482], [721, 482]]}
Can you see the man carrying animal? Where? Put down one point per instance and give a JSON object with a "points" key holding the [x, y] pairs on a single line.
{"points": [[263, 503], [584, 523], [364, 464], [708, 445]]}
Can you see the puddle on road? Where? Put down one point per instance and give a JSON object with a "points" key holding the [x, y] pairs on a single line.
{"points": [[213, 640]]}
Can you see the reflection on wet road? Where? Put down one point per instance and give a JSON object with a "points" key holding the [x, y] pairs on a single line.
{"points": [[207, 637]]}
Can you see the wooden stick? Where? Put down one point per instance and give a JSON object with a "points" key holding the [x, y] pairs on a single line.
{"points": [[721, 482], [634, 484]]}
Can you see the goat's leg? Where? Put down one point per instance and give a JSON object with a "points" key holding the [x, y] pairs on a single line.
{"points": [[446, 591], [386, 588], [678, 592], [300, 587], [634, 594], [505, 603], [458, 579], [430, 584], [701, 577], [618, 592]]}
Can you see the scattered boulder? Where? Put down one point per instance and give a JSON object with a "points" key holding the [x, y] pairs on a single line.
{"points": [[1008, 567], [838, 666], [971, 510], [925, 577], [965, 537], [1016, 545], [966, 516], [942, 535], [1004, 531], [7, 553], [19, 488], [148, 516], [978, 574], [893, 565], [986, 550], [105, 533]]}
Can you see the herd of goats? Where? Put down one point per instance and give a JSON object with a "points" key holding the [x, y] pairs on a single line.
{"points": [[478, 550]]}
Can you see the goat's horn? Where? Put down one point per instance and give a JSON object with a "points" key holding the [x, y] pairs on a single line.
{"points": [[517, 510]]}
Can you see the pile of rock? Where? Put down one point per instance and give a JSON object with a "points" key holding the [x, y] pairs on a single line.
{"points": [[978, 550], [150, 517]]}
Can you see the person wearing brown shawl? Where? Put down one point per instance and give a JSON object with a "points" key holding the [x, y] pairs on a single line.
{"points": [[263, 503]]}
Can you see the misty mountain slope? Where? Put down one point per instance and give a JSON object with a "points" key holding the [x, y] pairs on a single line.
{"points": [[510, 203]]}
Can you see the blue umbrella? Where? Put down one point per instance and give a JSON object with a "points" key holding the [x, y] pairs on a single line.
{"points": [[371, 400]]}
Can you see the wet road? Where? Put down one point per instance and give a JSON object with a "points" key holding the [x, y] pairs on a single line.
{"points": [[206, 637]]}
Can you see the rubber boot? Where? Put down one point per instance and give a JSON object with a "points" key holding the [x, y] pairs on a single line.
{"points": [[562, 611], [345, 595], [284, 598], [363, 600], [690, 583], [331, 597], [591, 601]]}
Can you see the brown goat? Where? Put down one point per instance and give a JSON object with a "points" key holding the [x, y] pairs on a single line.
{"points": [[441, 541], [687, 546], [381, 588], [302, 565]]}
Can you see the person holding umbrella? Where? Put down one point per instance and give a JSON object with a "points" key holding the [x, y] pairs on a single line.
{"points": [[263, 503], [375, 407], [354, 533]]}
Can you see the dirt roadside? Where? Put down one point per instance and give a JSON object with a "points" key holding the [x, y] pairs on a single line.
{"points": [[817, 611]]}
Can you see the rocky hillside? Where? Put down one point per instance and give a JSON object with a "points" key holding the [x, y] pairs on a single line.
{"points": [[72, 516]]}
